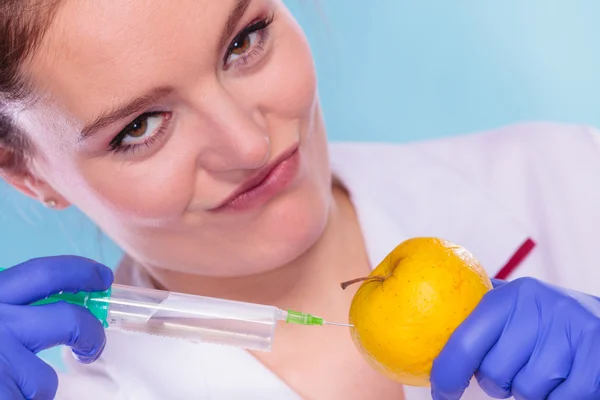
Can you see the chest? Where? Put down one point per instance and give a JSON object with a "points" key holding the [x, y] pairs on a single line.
{"points": [[323, 363]]}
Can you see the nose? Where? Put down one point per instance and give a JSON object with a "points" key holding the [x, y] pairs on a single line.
{"points": [[236, 139]]}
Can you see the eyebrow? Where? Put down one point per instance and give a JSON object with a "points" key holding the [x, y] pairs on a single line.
{"points": [[234, 17], [124, 110]]}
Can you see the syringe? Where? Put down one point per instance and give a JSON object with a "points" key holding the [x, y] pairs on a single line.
{"points": [[195, 318]]}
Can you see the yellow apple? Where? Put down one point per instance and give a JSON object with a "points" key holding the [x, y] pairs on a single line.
{"points": [[405, 311]]}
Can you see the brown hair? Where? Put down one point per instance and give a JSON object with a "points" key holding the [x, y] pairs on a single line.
{"points": [[23, 24]]}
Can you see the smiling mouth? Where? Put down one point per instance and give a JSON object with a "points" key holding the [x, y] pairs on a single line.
{"points": [[258, 179]]}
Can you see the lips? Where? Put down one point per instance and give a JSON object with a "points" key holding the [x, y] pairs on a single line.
{"points": [[257, 179]]}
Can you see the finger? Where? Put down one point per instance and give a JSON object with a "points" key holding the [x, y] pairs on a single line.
{"points": [[32, 377], [583, 382], [41, 327], [10, 390], [511, 352], [463, 353], [549, 365], [498, 282], [39, 278]]}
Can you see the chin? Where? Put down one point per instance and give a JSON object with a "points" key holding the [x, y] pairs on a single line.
{"points": [[288, 232]]}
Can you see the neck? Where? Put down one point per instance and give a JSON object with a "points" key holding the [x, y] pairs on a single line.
{"points": [[338, 255]]}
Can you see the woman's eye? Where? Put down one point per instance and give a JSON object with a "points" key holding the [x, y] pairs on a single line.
{"points": [[141, 131], [242, 45], [248, 43]]}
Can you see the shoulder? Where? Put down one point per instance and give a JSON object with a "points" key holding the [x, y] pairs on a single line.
{"points": [[522, 147], [529, 166], [540, 154], [526, 144]]}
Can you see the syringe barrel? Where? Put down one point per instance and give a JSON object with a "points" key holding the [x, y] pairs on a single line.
{"points": [[195, 318]]}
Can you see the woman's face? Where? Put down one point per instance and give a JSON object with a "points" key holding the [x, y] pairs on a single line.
{"points": [[160, 118]]}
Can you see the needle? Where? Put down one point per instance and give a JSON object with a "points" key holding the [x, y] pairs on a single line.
{"points": [[337, 324]]}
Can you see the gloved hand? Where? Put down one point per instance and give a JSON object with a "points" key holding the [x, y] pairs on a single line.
{"points": [[527, 339], [26, 330]]}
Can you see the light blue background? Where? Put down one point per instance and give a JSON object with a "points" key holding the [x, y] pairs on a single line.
{"points": [[399, 70]]}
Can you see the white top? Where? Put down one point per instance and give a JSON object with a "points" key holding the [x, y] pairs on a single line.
{"points": [[489, 192]]}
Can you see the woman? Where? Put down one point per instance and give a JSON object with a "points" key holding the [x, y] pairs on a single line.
{"points": [[191, 133]]}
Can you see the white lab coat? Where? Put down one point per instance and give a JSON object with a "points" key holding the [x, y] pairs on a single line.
{"points": [[489, 192]]}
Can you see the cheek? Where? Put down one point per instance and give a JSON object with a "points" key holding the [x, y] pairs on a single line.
{"points": [[155, 191], [107, 189]]}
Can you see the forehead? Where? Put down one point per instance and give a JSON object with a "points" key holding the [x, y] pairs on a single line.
{"points": [[95, 51]]}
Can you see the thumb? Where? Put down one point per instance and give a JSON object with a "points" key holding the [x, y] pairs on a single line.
{"points": [[498, 282]]}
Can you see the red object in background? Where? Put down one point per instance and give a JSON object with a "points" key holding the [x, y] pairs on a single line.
{"points": [[516, 259]]}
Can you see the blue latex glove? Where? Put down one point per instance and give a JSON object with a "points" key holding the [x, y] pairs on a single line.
{"points": [[527, 339], [25, 330]]}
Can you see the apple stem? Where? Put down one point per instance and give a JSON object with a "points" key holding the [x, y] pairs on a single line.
{"points": [[366, 278]]}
